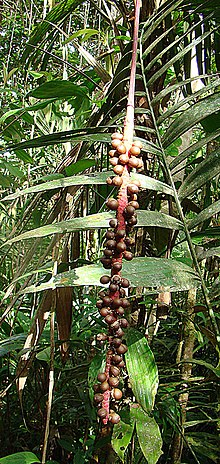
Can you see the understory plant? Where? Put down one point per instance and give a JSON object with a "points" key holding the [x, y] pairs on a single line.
{"points": [[119, 149]]}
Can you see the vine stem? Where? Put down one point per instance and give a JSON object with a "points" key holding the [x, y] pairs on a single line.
{"points": [[180, 211]]}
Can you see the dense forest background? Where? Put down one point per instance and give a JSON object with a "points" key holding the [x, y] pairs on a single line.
{"points": [[65, 81]]}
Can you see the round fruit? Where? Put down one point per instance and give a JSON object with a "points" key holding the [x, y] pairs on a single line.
{"points": [[99, 304], [134, 150], [117, 135], [117, 181], [101, 377], [112, 153], [114, 161], [132, 188], [98, 397], [125, 284], [118, 169], [116, 342], [117, 267], [124, 323], [104, 386], [133, 162], [123, 159], [108, 253], [109, 180], [122, 349], [128, 255], [102, 413], [121, 148], [120, 311], [115, 325], [120, 247], [105, 279], [96, 387], [116, 302], [106, 263], [124, 302], [115, 418], [135, 204], [121, 364], [113, 381], [110, 319], [102, 337], [116, 143], [116, 359], [113, 288], [116, 279], [111, 244], [107, 300], [137, 143], [120, 332], [120, 233], [114, 371], [112, 204], [113, 223], [117, 394], [132, 221], [129, 211]]}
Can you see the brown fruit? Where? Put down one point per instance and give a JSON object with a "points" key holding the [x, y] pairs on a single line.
{"points": [[101, 377], [116, 279], [132, 188], [125, 303], [111, 244], [117, 267], [105, 279], [120, 332], [117, 135], [118, 169], [117, 394], [113, 381], [137, 143], [102, 413], [104, 386], [135, 204], [135, 151], [115, 325], [120, 233], [124, 323], [122, 349], [120, 311], [117, 181], [129, 211], [99, 304], [112, 153], [121, 149], [114, 371], [107, 300], [114, 161], [116, 303], [104, 312], [98, 398], [116, 143], [96, 387], [125, 284], [102, 337], [128, 255], [110, 319], [113, 223], [120, 247], [116, 359], [112, 204], [108, 253], [123, 159], [116, 342], [114, 418], [133, 162], [121, 364], [132, 221], [113, 288]]}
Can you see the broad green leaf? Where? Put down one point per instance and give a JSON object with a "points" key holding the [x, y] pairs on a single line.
{"points": [[14, 170], [205, 214], [79, 166], [82, 32], [122, 434], [193, 148], [148, 434], [23, 156], [90, 179], [44, 355], [36, 107], [204, 172], [58, 89], [191, 116], [142, 369], [24, 457], [12, 343], [99, 221], [153, 273], [94, 178]]}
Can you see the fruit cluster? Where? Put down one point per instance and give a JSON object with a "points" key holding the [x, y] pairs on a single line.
{"points": [[113, 301]]}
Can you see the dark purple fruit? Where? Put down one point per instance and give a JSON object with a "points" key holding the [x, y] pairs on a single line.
{"points": [[116, 303], [106, 262], [113, 288], [124, 323], [110, 234], [116, 279], [96, 387], [125, 283], [110, 319], [132, 221], [113, 223], [107, 300], [108, 253], [111, 244], [128, 255], [105, 279]]}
